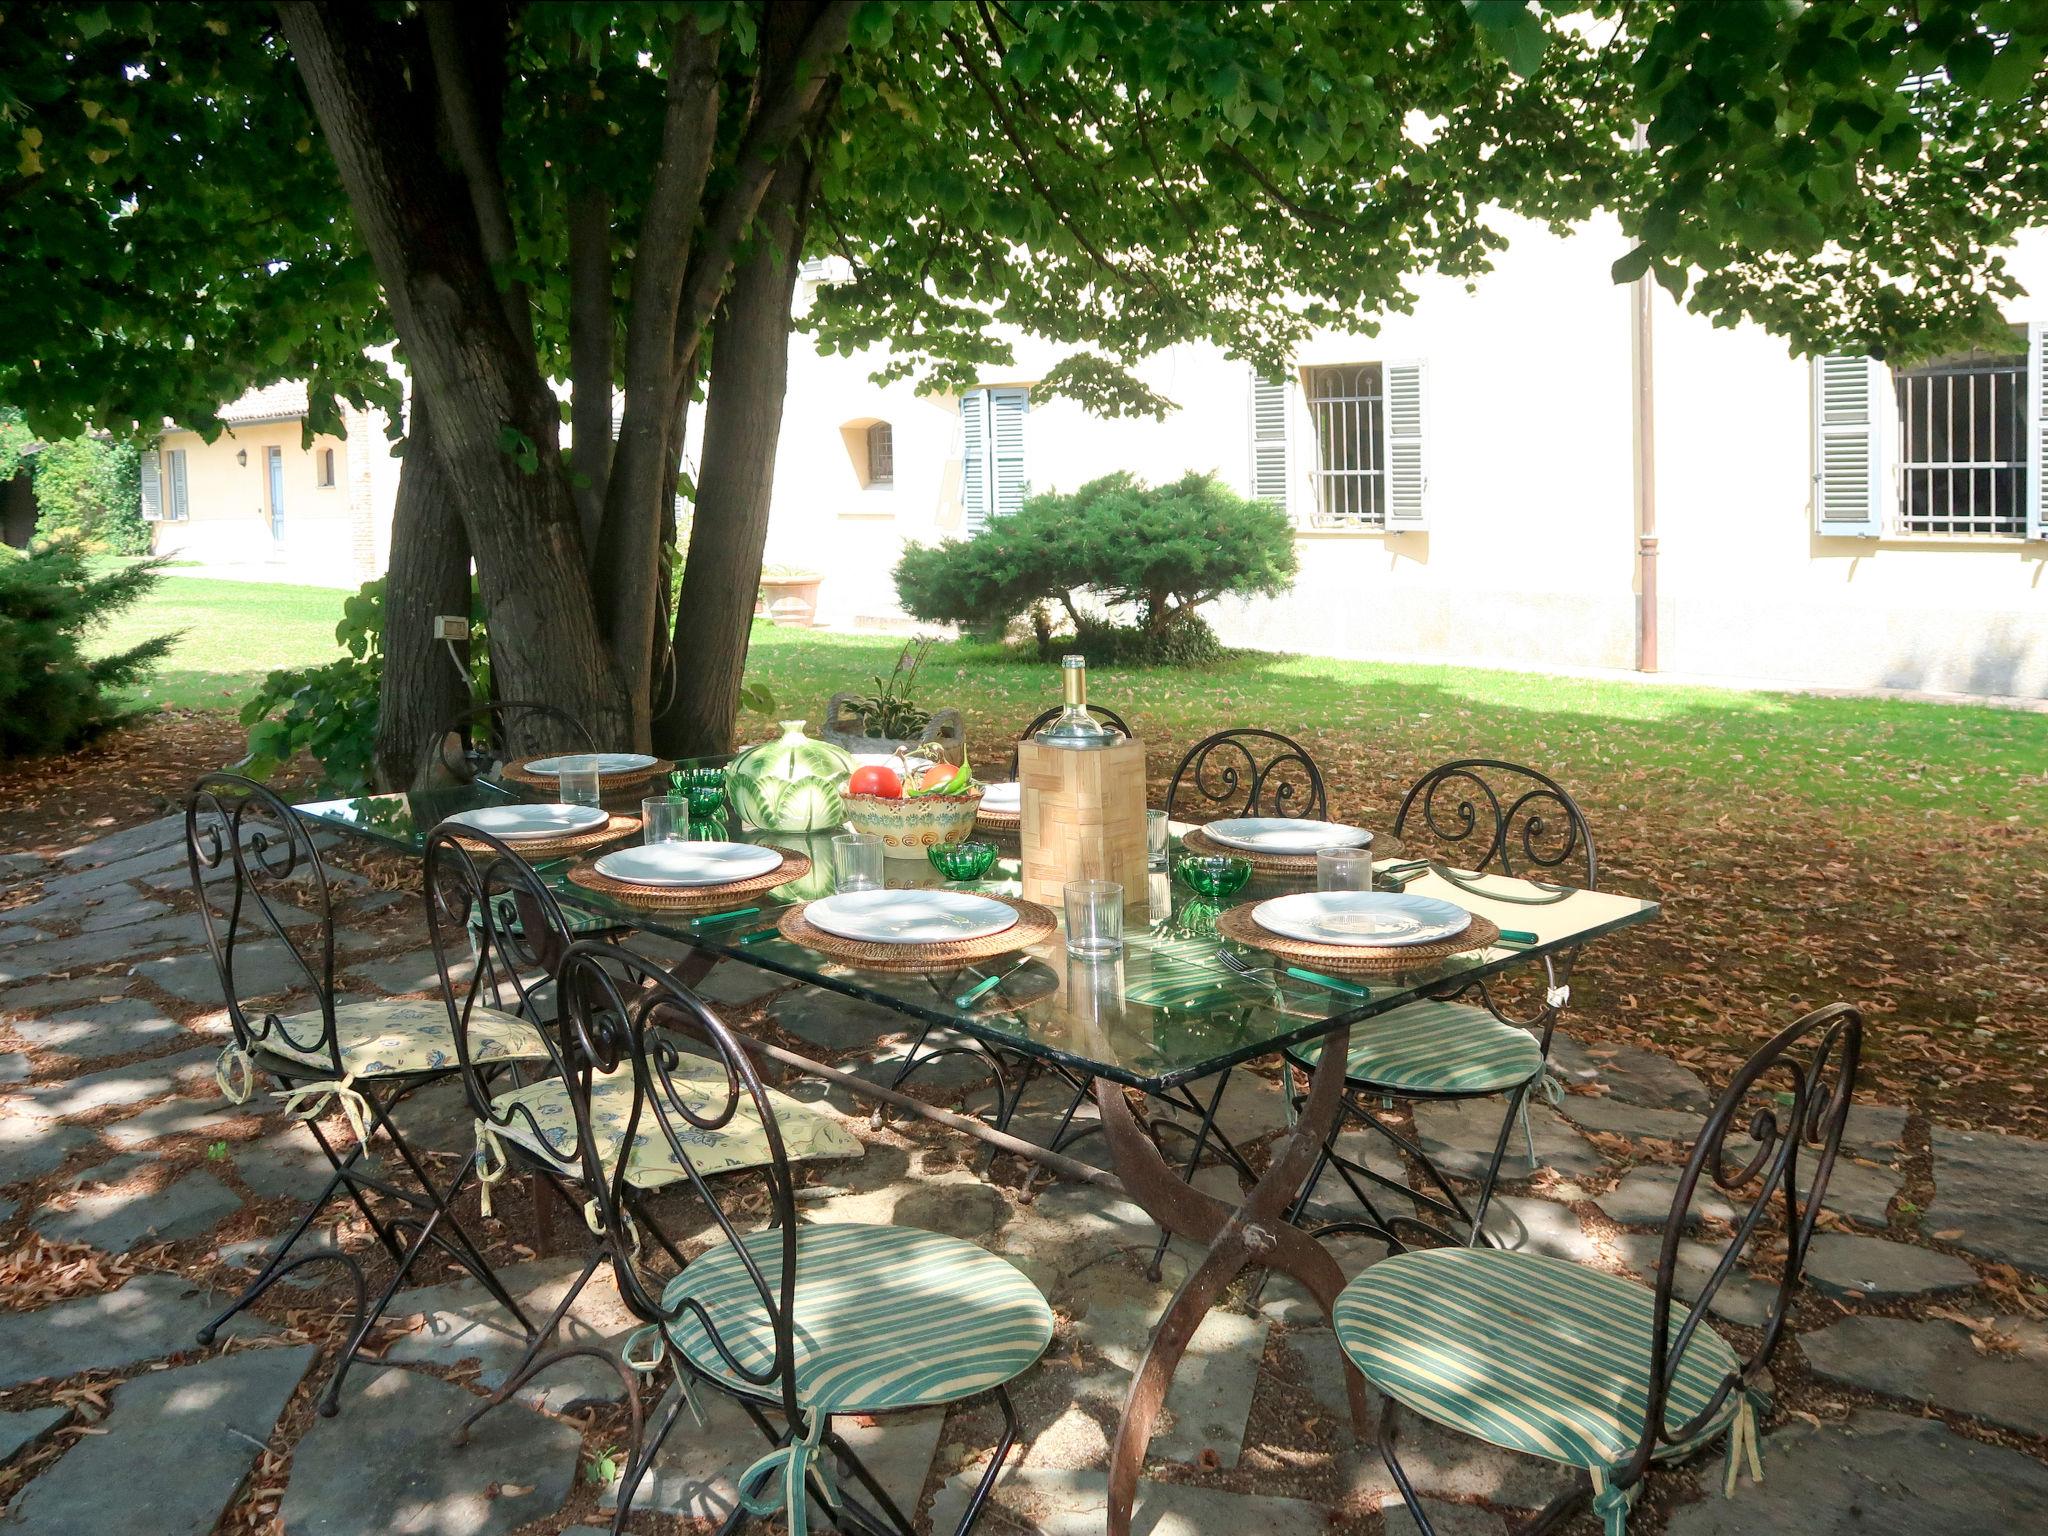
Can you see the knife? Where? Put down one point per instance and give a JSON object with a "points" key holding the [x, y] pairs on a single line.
{"points": [[1348, 988], [757, 935], [722, 917]]}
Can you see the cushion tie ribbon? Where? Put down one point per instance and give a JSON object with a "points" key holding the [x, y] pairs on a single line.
{"points": [[491, 1162], [235, 1073], [791, 1465], [1743, 1445], [308, 1101], [1558, 996], [644, 1349], [1611, 1503]]}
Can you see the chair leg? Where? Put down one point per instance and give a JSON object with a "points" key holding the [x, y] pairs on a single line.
{"points": [[1518, 1106], [642, 1458], [532, 1363], [987, 1485], [1390, 1414]]}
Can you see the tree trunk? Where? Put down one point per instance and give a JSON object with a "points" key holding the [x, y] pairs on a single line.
{"points": [[742, 425], [429, 576], [495, 420], [590, 357]]}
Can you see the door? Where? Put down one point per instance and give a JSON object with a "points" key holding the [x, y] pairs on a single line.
{"points": [[275, 460]]}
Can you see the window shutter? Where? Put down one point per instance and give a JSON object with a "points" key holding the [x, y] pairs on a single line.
{"points": [[152, 488], [1007, 408], [1848, 465], [1269, 440], [1407, 475], [2037, 431], [178, 508], [974, 458]]}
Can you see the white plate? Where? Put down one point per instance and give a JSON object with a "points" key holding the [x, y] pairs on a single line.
{"points": [[1002, 797], [1375, 918], [1284, 834], [524, 823], [910, 917], [607, 762], [689, 863]]}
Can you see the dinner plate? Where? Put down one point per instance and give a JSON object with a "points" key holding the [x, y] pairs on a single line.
{"points": [[607, 762], [524, 823], [910, 917], [1002, 797], [1378, 919], [689, 863], [1284, 834]]}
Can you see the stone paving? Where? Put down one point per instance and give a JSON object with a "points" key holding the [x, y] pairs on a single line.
{"points": [[1912, 1395]]}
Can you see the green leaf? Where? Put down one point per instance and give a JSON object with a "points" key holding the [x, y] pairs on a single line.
{"points": [[1632, 266]]}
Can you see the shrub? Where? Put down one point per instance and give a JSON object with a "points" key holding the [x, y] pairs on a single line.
{"points": [[52, 696], [1161, 551], [91, 491]]}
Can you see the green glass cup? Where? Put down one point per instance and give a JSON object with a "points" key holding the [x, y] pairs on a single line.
{"points": [[704, 788], [1213, 874], [962, 861]]}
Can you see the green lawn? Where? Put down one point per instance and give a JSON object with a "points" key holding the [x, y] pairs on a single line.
{"points": [[1361, 718]]}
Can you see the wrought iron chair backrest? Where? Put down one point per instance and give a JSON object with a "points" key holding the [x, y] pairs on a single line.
{"points": [[489, 911], [1103, 716], [1499, 818], [235, 825], [622, 1009], [1247, 772], [509, 727], [1793, 1095]]}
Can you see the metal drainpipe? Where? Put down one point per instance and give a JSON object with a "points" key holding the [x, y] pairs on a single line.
{"points": [[1644, 424]]}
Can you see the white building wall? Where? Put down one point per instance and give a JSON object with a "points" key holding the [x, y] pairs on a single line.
{"points": [[1528, 557]]}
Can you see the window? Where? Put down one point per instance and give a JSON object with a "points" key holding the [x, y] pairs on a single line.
{"points": [[1942, 450], [326, 466], [1348, 409], [881, 454], [1963, 444], [992, 478]]}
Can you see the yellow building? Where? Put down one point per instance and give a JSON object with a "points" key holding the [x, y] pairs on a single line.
{"points": [[259, 501]]}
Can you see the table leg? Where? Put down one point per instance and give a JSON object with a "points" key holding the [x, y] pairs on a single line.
{"points": [[1255, 1233]]}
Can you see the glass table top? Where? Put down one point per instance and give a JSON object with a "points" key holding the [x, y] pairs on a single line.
{"points": [[1165, 1012]]}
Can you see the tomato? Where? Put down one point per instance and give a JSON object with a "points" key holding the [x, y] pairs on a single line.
{"points": [[936, 778], [876, 780]]}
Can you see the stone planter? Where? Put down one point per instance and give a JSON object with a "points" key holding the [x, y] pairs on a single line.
{"points": [[791, 600], [845, 729]]}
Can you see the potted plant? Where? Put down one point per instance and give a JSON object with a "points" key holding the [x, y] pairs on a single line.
{"points": [[789, 595], [888, 722]]}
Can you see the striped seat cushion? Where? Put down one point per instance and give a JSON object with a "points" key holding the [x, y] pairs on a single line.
{"points": [[548, 1126], [1436, 1048], [1527, 1352], [885, 1317]]}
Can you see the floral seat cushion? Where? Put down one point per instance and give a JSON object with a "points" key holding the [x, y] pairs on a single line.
{"points": [[393, 1037], [884, 1317], [1430, 1047], [1527, 1352], [807, 1133]]}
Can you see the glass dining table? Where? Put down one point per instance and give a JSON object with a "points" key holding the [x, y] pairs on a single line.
{"points": [[1166, 1014]]}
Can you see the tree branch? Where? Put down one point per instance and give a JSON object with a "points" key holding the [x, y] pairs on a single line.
{"points": [[590, 356], [475, 140]]}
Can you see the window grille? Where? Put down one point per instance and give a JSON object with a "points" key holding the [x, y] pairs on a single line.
{"points": [[1347, 405], [1963, 445], [881, 454]]}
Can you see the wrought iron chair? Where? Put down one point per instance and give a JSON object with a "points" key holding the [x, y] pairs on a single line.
{"points": [[454, 753], [365, 1058], [1247, 772], [1108, 717], [1553, 1359], [806, 1323], [1490, 817]]}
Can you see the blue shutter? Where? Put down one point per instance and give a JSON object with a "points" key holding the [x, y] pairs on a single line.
{"points": [[1269, 441], [1848, 454], [1401, 451], [2037, 432], [177, 507], [1007, 409], [152, 487], [974, 478]]}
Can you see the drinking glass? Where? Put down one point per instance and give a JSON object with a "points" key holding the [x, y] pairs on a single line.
{"points": [[580, 781], [665, 819], [1095, 918], [857, 859], [1344, 869], [1155, 839]]}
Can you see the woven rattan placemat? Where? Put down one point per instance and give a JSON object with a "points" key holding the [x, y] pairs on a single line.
{"points": [[1195, 840], [690, 898], [1034, 924], [1239, 926], [608, 783], [530, 849]]}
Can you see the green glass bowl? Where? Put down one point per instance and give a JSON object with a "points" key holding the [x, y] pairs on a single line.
{"points": [[1213, 874], [704, 788], [962, 861]]}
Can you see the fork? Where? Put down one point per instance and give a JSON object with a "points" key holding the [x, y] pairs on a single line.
{"points": [[1235, 963]]}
